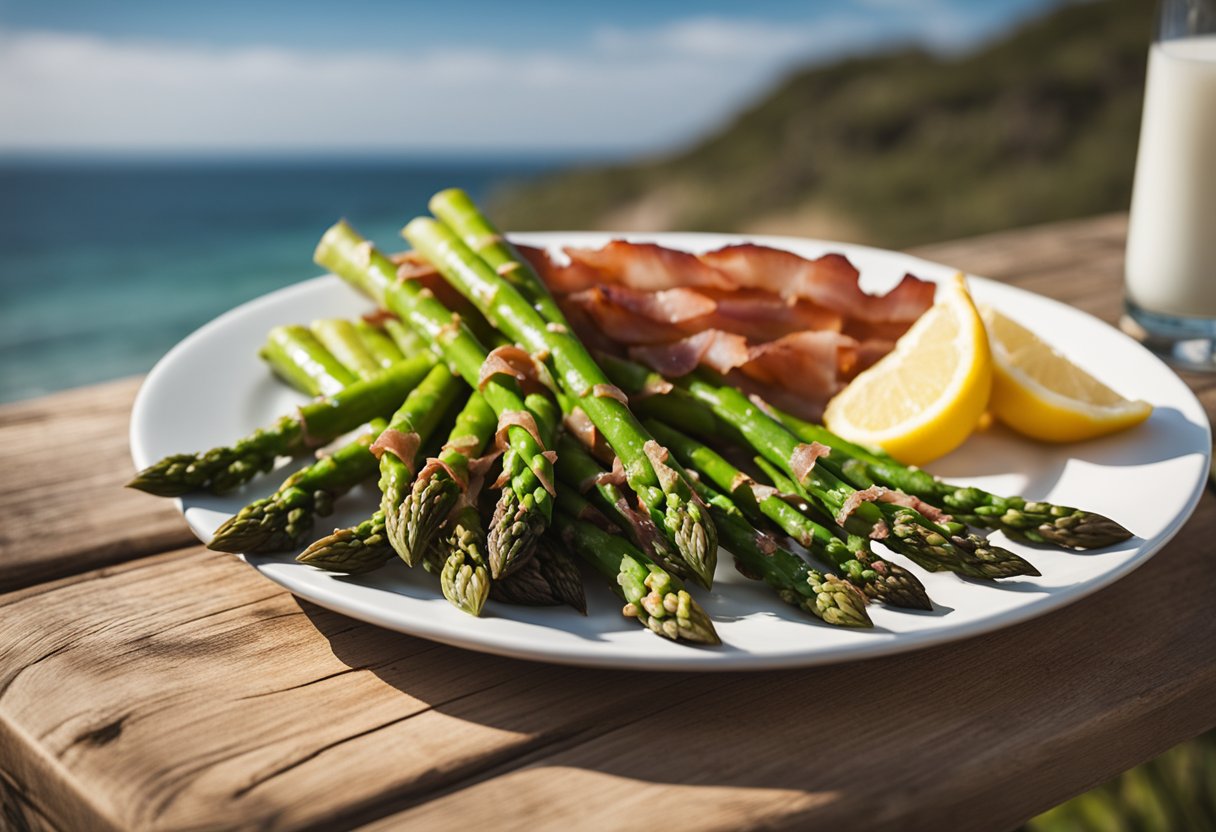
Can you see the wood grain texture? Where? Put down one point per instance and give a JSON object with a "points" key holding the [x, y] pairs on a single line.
{"points": [[178, 689], [63, 509]]}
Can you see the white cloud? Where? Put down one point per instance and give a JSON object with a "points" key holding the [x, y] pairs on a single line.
{"points": [[627, 89]]}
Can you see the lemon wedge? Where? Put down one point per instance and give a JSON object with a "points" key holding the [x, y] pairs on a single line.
{"points": [[924, 398], [1041, 394]]}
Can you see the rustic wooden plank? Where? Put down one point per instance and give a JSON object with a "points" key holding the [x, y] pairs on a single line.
{"points": [[182, 690], [1018, 253], [224, 703], [978, 735], [62, 505], [201, 694]]}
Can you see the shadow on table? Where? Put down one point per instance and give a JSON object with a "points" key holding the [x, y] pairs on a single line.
{"points": [[816, 736]]}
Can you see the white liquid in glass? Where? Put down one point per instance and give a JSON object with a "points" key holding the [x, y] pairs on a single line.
{"points": [[1171, 247]]}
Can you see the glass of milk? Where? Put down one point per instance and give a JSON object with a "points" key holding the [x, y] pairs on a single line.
{"points": [[1170, 295]]}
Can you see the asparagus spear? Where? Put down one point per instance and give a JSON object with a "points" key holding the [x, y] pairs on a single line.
{"points": [[354, 551], [317, 423], [280, 521], [464, 577], [413, 526], [550, 579], [419, 416], [1034, 521], [300, 360], [936, 546], [660, 486], [652, 595], [340, 337], [406, 339], [577, 469], [459, 559], [379, 344], [875, 577], [758, 557], [529, 471], [516, 525], [458, 212]]}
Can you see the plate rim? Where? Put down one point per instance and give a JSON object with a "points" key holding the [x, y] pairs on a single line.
{"points": [[689, 658]]}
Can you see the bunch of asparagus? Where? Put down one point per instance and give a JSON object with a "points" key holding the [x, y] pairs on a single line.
{"points": [[594, 456]]}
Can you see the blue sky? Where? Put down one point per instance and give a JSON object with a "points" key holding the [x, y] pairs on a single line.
{"points": [[371, 76]]}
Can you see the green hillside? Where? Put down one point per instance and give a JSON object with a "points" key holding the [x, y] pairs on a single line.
{"points": [[896, 149]]}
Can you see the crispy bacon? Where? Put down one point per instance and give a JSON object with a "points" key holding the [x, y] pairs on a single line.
{"points": [[910, 298], [765, 316], [632, 316], [723, 351], [646, 266], [792, 399], [830, 281], [560, 279], [790, 328], [813, 361]]}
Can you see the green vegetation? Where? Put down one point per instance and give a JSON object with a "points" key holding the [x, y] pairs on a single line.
{"points": [[1175, 791], [896, 149]]}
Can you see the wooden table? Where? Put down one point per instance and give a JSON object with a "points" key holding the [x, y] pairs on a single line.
{"points": [[146, 682]]}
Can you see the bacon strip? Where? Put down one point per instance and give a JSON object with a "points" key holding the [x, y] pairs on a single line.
{"points": [[518, 418], [510, 361], [810, 362], [434, 465], [655, 385], [614, 477], [478, 469], [584, 430], [633, 316], [404, 446], [803, 459], [723, 351], [307, 438], [609, 391], [464, 445], [658, 456], [560, 279], [646, 266], [378, 317], [544, 479], [881, 494]]}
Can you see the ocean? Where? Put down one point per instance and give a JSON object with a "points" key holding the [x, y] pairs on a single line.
{"points": [[105, 265]]}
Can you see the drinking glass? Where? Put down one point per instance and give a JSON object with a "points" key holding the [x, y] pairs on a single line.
{"points": [[1170, 274]]}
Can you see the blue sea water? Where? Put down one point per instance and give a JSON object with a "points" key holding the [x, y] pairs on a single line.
{"points": [[105, 265]]}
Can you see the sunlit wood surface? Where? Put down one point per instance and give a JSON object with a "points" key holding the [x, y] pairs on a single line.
{"points": [[147, 683]]}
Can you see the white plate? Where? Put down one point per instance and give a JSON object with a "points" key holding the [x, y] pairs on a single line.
{"points": [[211, 389]]}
